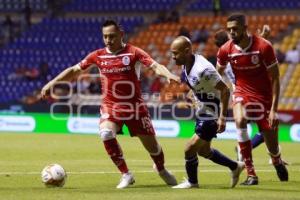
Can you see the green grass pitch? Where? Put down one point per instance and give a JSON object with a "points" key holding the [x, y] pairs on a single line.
{"points": [[91, 174]]}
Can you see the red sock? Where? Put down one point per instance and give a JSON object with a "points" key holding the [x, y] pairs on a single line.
{"points": [[246, 151], [159, 160], [115, 152]]}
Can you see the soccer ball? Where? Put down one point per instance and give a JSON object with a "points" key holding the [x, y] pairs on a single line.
{"points": [[54, 175]]}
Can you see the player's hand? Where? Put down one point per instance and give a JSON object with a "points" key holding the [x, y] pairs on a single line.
{"points": [[174, 78], [221, 125], [45, 92], [273, 119], [266, 31], [184, 105]]}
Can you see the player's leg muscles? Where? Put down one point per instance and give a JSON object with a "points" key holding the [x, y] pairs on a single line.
{"points": [[107, 133], [153, 147], [243, 137], [191, 158]]}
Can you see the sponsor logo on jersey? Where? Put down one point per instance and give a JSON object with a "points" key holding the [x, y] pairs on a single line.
{"points": [[126, 60], [104, 63], [115, 70], [194, 80], [255, 59]]}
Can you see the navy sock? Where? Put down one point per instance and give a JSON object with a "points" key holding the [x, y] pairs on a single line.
{"points": [[221, 159], [191, 167], [257, 140]]}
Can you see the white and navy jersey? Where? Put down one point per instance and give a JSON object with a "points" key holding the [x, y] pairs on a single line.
{"points": [[229, 73], [202, 79]]}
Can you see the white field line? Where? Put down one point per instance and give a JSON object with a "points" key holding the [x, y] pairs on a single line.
{"points": [[136, 172]]}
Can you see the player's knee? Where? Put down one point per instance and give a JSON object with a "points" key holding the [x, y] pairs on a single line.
{"points": [[205, 152], [106, 134]]}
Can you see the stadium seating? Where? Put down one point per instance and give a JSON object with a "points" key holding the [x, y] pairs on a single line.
{"points": [[18, 5], [157, 37], [59, 42], [120, 5], [245, 5]]}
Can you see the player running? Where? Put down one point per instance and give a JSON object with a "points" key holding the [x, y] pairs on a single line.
{"points": [[122, 102], [210, 92], [255, 68]]}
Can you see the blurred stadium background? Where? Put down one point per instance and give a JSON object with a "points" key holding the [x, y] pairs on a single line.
{"points": [[40, 38]]}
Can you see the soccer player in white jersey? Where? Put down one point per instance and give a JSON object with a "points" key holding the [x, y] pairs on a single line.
{"points": [[122, 102], [213, 94]]}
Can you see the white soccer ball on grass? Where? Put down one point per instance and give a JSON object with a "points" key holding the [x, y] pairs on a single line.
{"points": [[54, 175]]}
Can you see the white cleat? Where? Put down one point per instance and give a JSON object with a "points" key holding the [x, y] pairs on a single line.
{"points": [[126, 180], [186, 185], [235, 174]]}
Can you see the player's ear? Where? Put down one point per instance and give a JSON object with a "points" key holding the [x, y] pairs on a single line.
{"points": [[122, 33]]}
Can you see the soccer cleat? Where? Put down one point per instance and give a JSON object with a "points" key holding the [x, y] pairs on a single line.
{"points": [[186, 185], [283, 162], [239, 156], [168, 178], [126, 180], [282, 172], [235, 174], [251, 180]]}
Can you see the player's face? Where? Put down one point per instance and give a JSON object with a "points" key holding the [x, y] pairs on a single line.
{"points": [[236, 31], [178, 55], [112, 38]]}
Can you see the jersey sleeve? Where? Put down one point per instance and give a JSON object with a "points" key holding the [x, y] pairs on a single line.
{"points": [[222, 57], [88, 61], [211, 76], [268, 55], [144, 57]]}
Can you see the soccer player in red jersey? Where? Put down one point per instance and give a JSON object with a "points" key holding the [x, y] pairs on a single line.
{"points": [[122, 102], [255, 67]]}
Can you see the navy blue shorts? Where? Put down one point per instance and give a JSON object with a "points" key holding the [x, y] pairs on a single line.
{"points": [[206, 129]]}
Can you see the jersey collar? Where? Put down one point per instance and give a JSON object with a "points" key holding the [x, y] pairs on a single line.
{"points": [[248, 47], [115, 53]]}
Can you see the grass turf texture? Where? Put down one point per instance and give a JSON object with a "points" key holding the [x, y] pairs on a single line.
{"points": [[91, 174]]}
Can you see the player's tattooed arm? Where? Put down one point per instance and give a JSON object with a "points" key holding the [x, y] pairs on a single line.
{"points": [[163, 71], [67, 75]]}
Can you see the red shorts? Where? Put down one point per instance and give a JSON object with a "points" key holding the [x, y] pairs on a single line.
{"points": [[257, 111], [138, 123]]}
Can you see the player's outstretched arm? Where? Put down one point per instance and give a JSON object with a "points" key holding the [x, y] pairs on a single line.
{"points": [[66, 75], [225, 93], [163, 71]]}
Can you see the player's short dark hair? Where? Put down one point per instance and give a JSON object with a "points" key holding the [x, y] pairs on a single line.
{"points": [[221, 37], [111, 22], [240, 18]]}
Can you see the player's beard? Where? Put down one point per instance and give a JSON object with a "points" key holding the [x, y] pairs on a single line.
{"points": [[237, 40]]}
